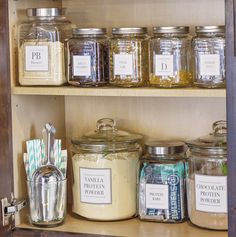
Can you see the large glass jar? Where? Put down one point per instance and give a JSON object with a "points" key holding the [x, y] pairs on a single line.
{"points": [[207, 179], [208, 48], [87, 55], [129, 66], [105, 165], [41, 47], [170, 57], [162, 182]]}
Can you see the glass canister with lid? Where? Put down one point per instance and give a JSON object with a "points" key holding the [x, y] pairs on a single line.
{"points": [[87, 55], [207, 179], [105, 165], [162, 196], [170, 57], [129, 61], [41, 54], [208, 49]]}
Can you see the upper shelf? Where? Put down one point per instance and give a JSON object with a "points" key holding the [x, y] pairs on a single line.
{"points": [[118, 92]]}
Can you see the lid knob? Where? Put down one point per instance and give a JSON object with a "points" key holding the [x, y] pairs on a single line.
{"points": [[106, 124], [219, 128]]}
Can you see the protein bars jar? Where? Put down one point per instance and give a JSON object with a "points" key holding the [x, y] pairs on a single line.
{"points": [[41, 47], [129, 57], [87, 54], [209, 56], [105, 165], [170, 57], [207, 179], [162, 182]]}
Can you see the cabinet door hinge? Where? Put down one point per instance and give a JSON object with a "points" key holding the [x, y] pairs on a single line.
{"points": [[8, 209]]}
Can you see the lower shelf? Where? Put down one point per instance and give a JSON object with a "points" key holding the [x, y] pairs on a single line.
{"points": [[131, 228]]}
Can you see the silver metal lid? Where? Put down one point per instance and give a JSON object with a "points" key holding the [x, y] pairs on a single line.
{"points": [[165, 147], [130, 30], [89, 31], [170, 29], [210, 29], [45, 12]]}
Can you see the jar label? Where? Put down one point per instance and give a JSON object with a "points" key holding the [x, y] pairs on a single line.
{"points": [[123, 64], [211, 193], [209, 64], [157, 196], [95, 186], [36, 58], [81, 65], [164, 65]]}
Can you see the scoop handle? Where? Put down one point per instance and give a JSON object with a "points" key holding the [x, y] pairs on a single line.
{"points": [[48, 138]]}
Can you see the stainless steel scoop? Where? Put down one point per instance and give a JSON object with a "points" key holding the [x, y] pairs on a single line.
{"points": [[47, 189]]}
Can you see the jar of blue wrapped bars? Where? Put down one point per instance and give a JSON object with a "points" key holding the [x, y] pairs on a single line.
{"points": [[162, 175]]}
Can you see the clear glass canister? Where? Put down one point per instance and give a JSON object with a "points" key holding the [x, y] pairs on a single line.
{"points": [[129, 63], [208, 49], [87, 54], [105, 165], [207, 179], [170, 57], [162, 195], [41, 47]]}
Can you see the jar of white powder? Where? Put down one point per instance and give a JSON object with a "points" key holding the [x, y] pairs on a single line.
{"points": [[207, 179], [41, 58], [105, 165]]}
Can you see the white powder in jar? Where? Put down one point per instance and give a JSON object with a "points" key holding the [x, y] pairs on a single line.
{"points": [[41, 63], [216, 221], [104, 199]]}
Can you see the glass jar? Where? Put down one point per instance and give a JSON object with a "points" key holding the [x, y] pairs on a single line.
{"points": [[207, 179], [105, 165], [129, 66], [41, 47], [87, 54], [208, 48], [162, 195], [170, 57]]}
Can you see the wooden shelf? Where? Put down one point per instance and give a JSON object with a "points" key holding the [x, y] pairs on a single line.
{"points": [[118, 92], [131, 228]]}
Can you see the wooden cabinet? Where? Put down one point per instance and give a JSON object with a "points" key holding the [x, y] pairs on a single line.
{"points": [[155, 113]]}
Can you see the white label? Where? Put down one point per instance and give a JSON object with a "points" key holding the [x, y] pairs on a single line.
{"points": [[164, 65], [211, 193], [123, 64], [81, 65], [157, 196], [36, 58], [95, 186], [209, 65]]}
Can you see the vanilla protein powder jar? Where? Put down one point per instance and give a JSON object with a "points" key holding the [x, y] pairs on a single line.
{"points": [[105, 166]]}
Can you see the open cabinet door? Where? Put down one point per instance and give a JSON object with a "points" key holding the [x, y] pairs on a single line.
{"points": [[6, 175], [230, 12]]}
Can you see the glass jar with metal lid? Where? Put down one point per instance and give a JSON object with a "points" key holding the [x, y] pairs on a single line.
{"points": [[129, 63], [170, 57], [208, 49], [162, 195], [105, 165], [87, 54], [207, 179], [41, 39]]}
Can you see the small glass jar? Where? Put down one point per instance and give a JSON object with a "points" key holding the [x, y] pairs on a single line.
{"points": [[129, 64], [87, 55], [208, 49], [41, 47], [170, 57], [207, 179], [162, 195], [105, 165]]}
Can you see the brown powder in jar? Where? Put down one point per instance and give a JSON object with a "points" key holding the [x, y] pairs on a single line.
{"points": [[217, 221]]}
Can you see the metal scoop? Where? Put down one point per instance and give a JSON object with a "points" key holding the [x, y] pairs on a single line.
{"points": [[46, 180]]}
